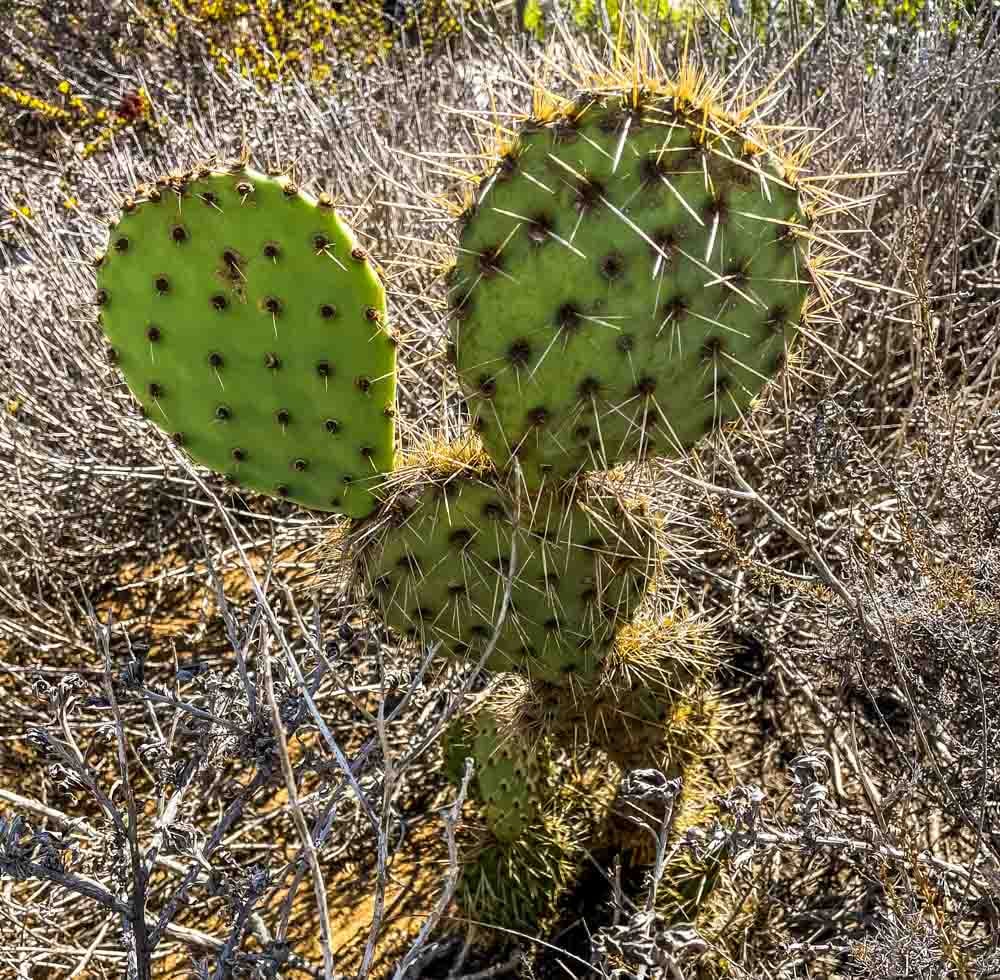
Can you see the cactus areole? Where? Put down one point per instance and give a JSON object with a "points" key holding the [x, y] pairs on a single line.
{"points": [[251, 327], [629, 275]]}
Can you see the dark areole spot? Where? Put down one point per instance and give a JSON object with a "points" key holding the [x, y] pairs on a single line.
{"points": [[519, 353]]}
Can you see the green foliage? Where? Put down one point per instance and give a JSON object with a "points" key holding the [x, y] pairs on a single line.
{"points": [[249, 324]]}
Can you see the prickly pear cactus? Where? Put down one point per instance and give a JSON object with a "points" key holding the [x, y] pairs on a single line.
{"points": [[251, 327], [518, 884], [437, 557], [629, 275]]}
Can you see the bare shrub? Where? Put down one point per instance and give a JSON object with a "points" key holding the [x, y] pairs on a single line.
{"points": [[854, 556]]}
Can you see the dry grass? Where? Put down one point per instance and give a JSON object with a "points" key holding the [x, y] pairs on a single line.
{"points": [[847, 540]]}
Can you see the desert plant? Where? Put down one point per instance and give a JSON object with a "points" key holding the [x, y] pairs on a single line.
{"points": [[905, 121], [686, 267]]}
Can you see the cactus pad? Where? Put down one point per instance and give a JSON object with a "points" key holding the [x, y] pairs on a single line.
{"points": [[511, 775], [638, 704], [649, 704], [517, 884], [437, 557], [251, 327], [629, 275], [512, 778]]}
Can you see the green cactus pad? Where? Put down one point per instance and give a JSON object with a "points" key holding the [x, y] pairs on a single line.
{"points": [[436, 558], [516, 884], [251, 327], [636, 703], [628, 277], [512, 778]]}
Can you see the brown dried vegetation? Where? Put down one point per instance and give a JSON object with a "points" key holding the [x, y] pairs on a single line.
{"points": [[847, 540]]}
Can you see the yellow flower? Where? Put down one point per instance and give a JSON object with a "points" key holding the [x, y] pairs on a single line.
{"points": [[64, 88], [70, 203]]}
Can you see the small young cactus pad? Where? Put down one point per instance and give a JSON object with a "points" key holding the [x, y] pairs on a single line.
{"points": [[638, 704], [512, 773], [628, 277], [519, 883], [251, 327], [647, 704], [513, 777], [437, 558]]}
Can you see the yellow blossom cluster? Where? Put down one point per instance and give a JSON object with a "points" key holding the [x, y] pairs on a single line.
{"points": [[263, 40], [266, 39], [97, 126]]}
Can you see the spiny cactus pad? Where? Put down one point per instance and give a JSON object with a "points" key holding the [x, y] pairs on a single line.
{"points": [[628, 277], [633, 706], [512, 778], [436, 560], [511, 773], [251, 327], [650, 703], [516, 884]]}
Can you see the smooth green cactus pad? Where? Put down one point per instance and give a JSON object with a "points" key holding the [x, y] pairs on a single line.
{"points": [[251, 327], [629, 275], [436, 559]]}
